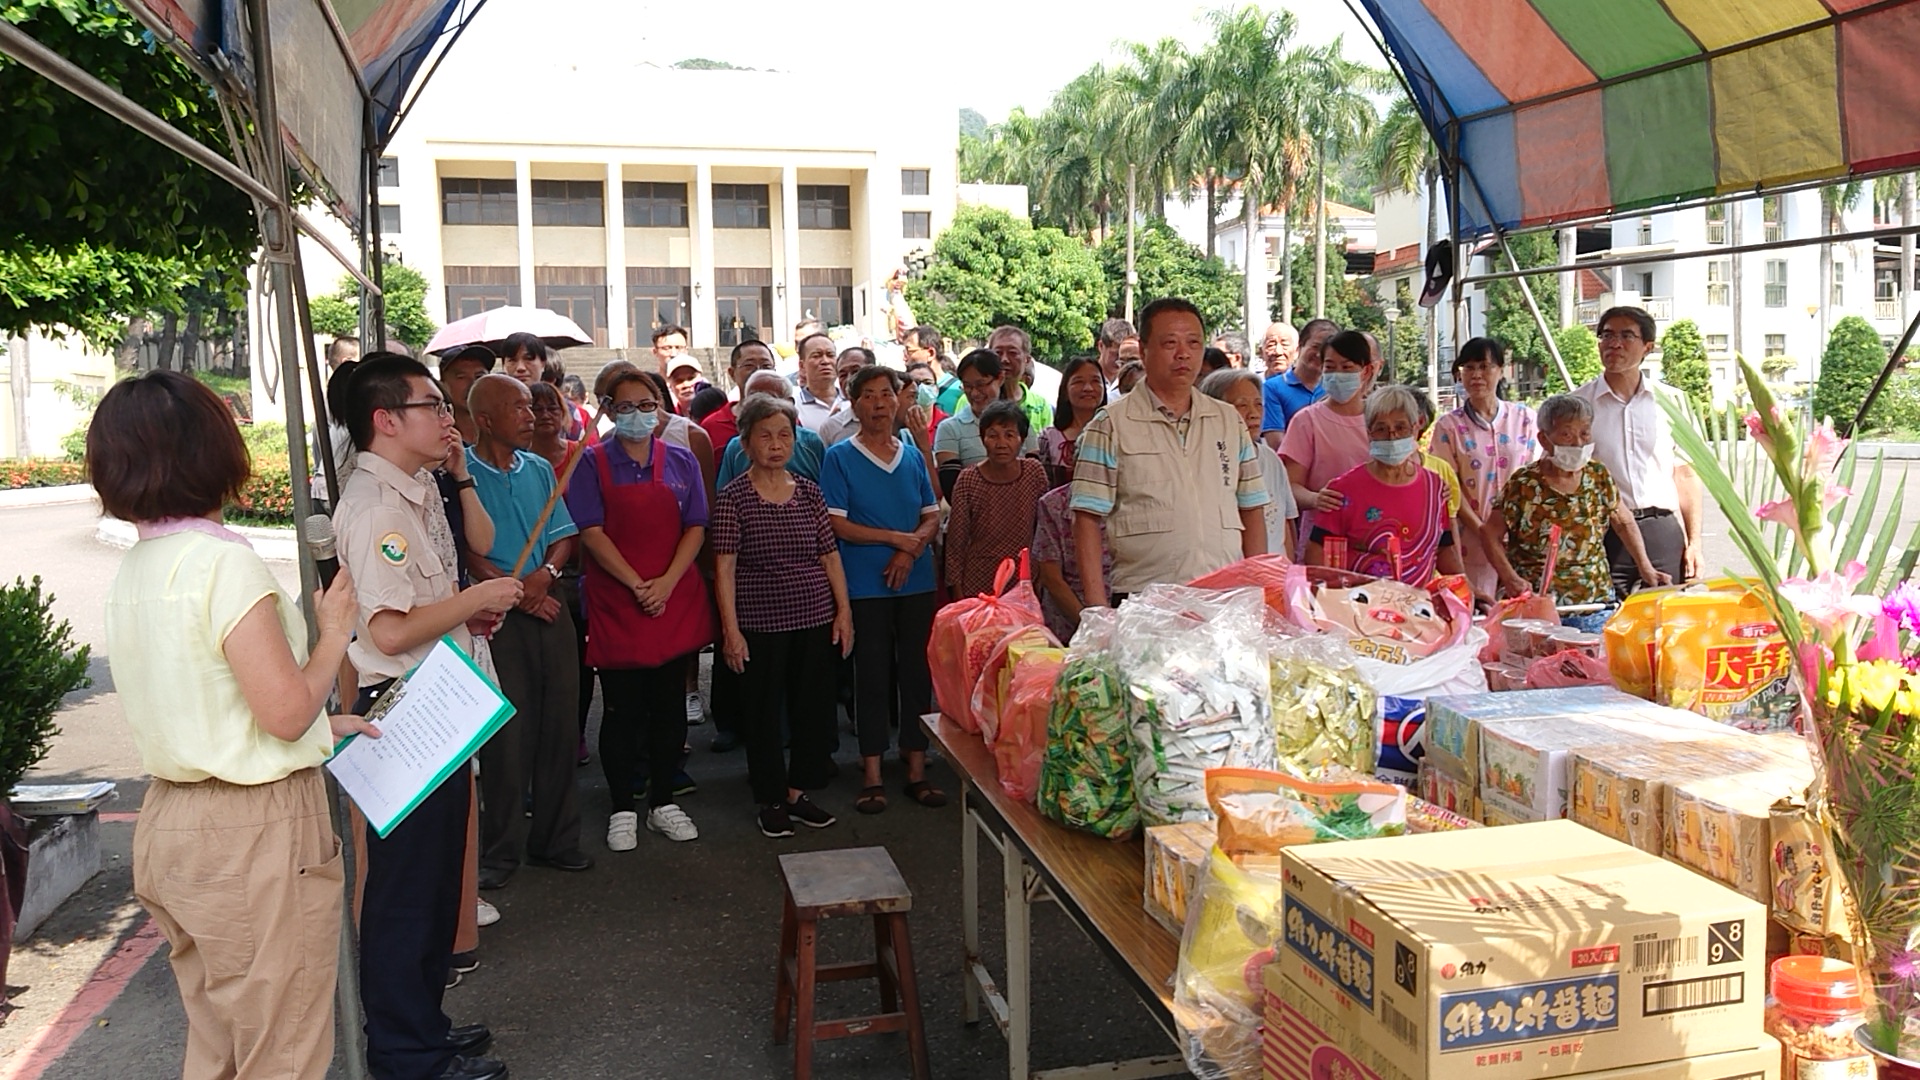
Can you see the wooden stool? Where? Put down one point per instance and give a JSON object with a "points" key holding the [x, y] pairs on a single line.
{"points": [[850, 881]]}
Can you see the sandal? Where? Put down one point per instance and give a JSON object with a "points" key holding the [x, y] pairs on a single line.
{"points": [[926, 794], [871, 800]]}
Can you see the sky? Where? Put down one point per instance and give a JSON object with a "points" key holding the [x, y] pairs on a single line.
{"points": [[990, 55]]}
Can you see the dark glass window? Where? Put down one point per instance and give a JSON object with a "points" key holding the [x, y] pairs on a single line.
{"points": [[741, 206], [389, 172], [478, 202], [389, 219], [913, 181], [916, 224], [824, 206], [568, 202], [650, 204]]}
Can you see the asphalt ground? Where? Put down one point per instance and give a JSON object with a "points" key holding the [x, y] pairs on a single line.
{"points": [[657, 962]]}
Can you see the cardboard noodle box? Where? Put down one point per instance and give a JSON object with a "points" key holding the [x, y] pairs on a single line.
{"points": [[1555, 951], [1723, 827], [1620, 789], [1523, 763], [1303, 1041]]}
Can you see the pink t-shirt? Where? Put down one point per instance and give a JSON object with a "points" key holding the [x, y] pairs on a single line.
{"points": [[1416, 513], [1328, 444]]}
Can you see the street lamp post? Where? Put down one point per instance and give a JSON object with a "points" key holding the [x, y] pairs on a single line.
{"points": [[1392, 315]]}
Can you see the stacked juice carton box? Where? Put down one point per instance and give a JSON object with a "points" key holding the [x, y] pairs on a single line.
{"points": [[1556, 952], [1502, 758]]}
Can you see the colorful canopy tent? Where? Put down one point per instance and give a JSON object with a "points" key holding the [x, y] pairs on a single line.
{"points": [[1548, 111]]}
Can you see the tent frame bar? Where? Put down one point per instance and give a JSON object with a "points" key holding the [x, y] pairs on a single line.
{"points": [[1705, 253]]}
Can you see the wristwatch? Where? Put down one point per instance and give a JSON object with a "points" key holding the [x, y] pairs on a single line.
{"points": [[463, 485], [552, 570]]}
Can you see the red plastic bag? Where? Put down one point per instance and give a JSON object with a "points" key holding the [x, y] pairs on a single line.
{"points": [[1568, 668], [1267, 573], [965, 633], [1022, 744], [1525, 606], [990, 689]]}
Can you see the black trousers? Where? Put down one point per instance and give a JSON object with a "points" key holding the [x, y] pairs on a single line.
{"points": [[890, 669], [726, 697], [800, 668], [567, 590], [408, 918], [1666, 540], [643, 712], [538, 665]]}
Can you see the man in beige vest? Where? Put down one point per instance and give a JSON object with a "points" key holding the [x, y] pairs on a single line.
{"points": [[1171, 471]]}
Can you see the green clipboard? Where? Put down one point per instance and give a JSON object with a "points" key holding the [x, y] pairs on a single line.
{"points": [[383, 813]]}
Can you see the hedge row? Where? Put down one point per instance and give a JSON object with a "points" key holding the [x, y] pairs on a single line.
{"points": [[267, 498]]}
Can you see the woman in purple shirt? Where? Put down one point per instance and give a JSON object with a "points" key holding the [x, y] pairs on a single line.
{"points": [[784, 615]]}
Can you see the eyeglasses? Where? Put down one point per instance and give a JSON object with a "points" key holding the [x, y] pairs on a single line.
{"points": [[1620, 335], [628, 408], [971, 386], [443, 407]]}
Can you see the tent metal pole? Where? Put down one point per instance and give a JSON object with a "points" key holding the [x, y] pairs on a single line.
{"points": [[62, 72], [1539, 320], [1886, 372], [1710, 253], [282, 258]]}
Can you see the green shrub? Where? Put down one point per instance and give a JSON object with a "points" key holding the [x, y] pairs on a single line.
{"points": [[1683, 363], [1853, 358], [1898, 406], [267, 442], [267, 498], [39, 665], [74, 444], [1581, 350]]}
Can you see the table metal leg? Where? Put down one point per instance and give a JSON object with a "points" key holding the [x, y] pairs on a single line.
{"points": [[969, 905], [1019, 949]]}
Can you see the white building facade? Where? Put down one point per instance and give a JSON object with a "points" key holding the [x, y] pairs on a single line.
{"points": [[732, 203]]}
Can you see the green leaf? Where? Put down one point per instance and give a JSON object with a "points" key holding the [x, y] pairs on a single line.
{"points": [[1883, 538], [1863, 515]]}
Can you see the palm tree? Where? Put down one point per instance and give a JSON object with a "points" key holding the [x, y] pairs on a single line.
{"points": [[1406, 159], [1143, 110], [1835, 200], [1340, 113], [1074, 176], [1246, 95]]}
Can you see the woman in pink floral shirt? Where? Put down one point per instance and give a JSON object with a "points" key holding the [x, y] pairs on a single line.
{"points": [[1485, 440]]}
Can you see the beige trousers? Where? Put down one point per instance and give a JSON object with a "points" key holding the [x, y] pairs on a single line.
{"points": [[246, 884]]}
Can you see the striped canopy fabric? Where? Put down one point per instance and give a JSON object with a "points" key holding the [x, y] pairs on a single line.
{"points": [[1551, 110]]}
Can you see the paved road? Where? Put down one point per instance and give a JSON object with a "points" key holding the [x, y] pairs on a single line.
{"points": [[657, 962]]}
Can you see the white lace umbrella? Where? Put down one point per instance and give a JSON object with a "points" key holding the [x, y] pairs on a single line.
{"points": [[492, 328]]}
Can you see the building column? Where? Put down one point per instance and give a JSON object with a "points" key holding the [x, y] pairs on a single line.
{"points": [[706, 316], [523, 216], [619, 334], [787, 304]]}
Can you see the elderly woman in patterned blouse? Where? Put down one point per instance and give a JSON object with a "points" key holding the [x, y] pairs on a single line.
{"points": [[1568, 489], [784, 615]]}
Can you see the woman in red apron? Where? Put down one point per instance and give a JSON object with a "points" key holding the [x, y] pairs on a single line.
{"points": [[641, 505]]}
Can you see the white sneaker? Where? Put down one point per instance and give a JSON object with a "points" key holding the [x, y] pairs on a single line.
{"points": [[672, 822], [623, 831], [696, 713], [488, 914]]}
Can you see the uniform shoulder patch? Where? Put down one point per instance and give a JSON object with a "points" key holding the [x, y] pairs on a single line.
{"points": [[393, 548]]}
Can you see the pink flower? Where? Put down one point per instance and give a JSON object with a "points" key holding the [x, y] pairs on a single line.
{"points": [[1828, 602], [1902, 605], [1780, 512], [1824, 448], [1758, 431], [1904, 964], [1883, 643]]}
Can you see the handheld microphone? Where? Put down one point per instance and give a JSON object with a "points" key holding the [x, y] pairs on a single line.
{"points": [[318, 533]]}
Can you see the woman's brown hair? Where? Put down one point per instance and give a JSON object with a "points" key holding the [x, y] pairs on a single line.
{"points": [[163, 445]]}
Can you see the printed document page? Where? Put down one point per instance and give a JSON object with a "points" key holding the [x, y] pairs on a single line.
{"points": [[430, 723]]}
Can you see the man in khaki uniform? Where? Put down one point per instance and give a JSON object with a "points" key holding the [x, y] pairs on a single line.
{"points": [[1172, 472], [403, 559]]}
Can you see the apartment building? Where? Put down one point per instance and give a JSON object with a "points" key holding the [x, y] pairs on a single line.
{"points": [[734, 203]]}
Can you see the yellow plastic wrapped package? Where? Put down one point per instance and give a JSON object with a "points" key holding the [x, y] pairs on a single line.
{"points": [[1632, 642], [1722, 655], [1233, 926]]}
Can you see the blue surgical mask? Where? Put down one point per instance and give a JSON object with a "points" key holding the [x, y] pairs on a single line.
{"points": [[1392, 451], [636, 425], [926, 395], [1340, 386]]}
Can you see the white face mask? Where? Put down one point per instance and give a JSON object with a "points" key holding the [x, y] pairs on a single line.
{"points": [[1572, 458]]}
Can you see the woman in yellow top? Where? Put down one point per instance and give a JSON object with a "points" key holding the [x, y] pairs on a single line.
{"points": [[235, 854]]}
